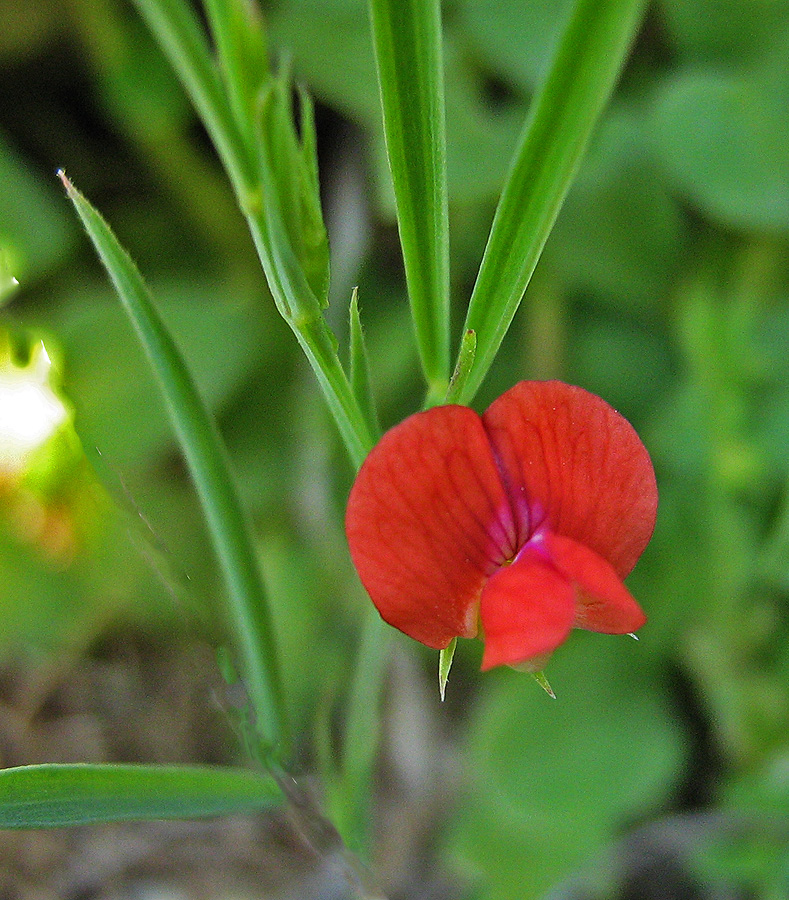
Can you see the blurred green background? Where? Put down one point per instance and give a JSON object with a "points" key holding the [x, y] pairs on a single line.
{"points": [[664, 288]]}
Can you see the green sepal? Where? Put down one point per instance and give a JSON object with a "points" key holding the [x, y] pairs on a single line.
{"points": [[540, 678], [466, 355], [445, 658]]}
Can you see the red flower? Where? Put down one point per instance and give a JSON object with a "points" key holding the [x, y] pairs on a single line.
{"points": [[526, 518]]}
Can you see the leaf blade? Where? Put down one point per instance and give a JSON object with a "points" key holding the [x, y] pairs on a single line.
{"points": [[207, 461], [563, 114], [53, 795], [407, 38]]}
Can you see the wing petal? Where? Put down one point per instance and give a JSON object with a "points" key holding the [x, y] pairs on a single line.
{"points": [[602, 602], [428, 522]]}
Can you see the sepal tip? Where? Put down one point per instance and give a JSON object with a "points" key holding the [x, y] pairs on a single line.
{"points": [[540, 678]]}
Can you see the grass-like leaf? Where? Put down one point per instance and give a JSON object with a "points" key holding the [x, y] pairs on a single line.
{"points": [[578, 84], [207, 461], [407, 38], [52, 796]]}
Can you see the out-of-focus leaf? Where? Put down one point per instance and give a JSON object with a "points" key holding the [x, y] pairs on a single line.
{"points": [[313, 633], [619, 232], [8, 281], [553, 780], [628, 363], [728, 30], [26, 28], [137, 86], [515, 39], [35, 232], [117, 407], [724, 142], [144, 100], [750, 848], [481, 138], [84, 569]]}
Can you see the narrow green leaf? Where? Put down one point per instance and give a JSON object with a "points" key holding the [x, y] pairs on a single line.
{"points": [[360, 367], [407, 38], [445, 658], [309, 147], [53, 796], [208, 464], [240, 41], [563, 114], [466, 356]]}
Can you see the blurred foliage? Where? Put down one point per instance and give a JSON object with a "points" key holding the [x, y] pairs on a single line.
{"points": [[664, 287]]}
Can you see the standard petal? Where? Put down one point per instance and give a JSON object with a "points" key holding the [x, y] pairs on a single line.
{"points": [[570, 462], [428, 522], [602, 602], [527, 609]]}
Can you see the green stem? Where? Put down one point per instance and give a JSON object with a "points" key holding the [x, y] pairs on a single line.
{"points": [[362, 731]]}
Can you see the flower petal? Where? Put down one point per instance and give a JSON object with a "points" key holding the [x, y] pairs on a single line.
{"points": [[571, 462], [527, 610], [428, 522], [603, 603]]}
